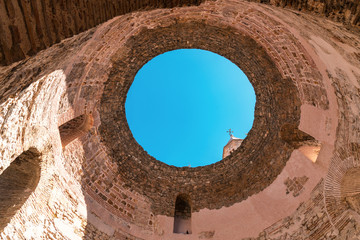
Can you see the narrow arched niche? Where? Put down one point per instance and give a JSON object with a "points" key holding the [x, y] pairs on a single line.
{"points": [[182, 216], [17, 183], [75, 128]]}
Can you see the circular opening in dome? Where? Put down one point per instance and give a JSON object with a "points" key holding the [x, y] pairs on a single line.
{"points": [[182, 103]]}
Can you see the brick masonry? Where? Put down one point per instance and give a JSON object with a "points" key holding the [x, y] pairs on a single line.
{"points": [[295, 185], [103, 185], [29, 27], [147, 173]]}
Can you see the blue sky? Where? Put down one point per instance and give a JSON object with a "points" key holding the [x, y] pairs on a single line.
{"points": [[182, 102]]}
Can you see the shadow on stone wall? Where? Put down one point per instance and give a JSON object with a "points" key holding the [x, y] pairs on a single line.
{"points": [[17, 183]]}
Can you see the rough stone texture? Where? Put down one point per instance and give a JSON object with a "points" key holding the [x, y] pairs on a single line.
{"points": [[345, 11], [160, 182], [295, 185], [75, 128], [17, 182], [104, 186], [311, 221], [30, 26]]}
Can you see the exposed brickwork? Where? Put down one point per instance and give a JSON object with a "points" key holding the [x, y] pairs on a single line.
{"points": [[93, 233], [347, 11], [34, 113], [340, 223], [14, 81], [350, 185], [295, 185], [94, 189], [146, 173], [75, 128], [153, 42], [30, 26], [345, 159], [17, 182], [350, 188], [311, 221], [105, 186]]}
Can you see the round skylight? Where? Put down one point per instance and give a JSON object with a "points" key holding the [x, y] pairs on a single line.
{"points": [[182, 102]]}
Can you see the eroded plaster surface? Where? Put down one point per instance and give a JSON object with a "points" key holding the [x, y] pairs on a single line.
{"points": [[98, 187]]}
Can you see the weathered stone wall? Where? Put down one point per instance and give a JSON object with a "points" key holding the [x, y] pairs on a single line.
{"points": [[30, 26], [147, 173], [17, 182], [311, 221], [329, 214], [103, 185], [32, 116], [345, 11], [75, 128]]}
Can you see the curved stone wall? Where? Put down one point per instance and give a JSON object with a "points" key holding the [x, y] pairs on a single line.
{"points": [[29, 27], [103, 185], [234, 178]]}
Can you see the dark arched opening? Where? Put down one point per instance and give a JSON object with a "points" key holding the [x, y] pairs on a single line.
{"points": [[17, 183], [300, 140], [182, 216]]}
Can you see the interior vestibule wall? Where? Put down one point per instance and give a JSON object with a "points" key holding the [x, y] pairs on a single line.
{"points": [[29, 120], [29, 27], [81, 194]]}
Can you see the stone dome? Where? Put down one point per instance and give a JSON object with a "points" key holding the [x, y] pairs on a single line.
{"points": [[71, 169]]}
